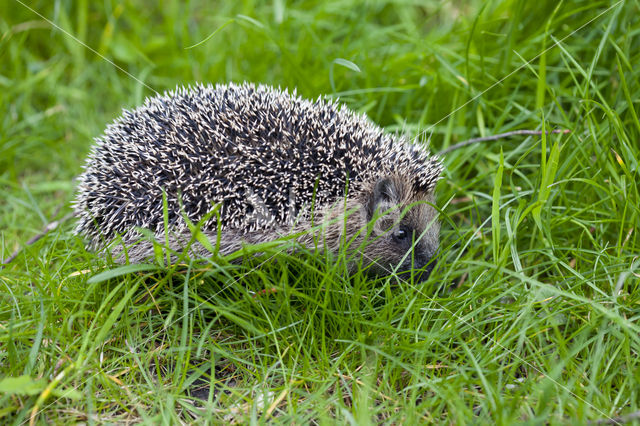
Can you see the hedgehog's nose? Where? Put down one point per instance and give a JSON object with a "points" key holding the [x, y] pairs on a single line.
{"points": [[423, 271]]}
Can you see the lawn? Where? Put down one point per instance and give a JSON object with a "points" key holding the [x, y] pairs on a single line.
{"points": [[531, 314]]}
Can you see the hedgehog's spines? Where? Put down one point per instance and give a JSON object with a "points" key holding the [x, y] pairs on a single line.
{"points": [[212, 144]]}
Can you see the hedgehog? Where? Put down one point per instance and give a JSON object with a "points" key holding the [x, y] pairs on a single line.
{"points": [[273, 164]]}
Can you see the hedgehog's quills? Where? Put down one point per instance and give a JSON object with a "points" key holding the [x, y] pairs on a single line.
{"points": [[266, 157]]}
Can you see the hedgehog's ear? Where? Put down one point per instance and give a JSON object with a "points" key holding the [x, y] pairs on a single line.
{"points": [[386, 194], [386, 190]]}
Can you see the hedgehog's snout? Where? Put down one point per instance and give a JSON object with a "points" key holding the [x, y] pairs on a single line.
{"points": [[420, 264], [415, 257]]}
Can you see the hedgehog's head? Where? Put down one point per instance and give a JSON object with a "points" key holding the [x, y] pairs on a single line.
{"points": [[403, 229]]}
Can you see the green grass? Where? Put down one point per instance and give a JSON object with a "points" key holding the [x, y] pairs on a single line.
{"points": [[530, 316]]}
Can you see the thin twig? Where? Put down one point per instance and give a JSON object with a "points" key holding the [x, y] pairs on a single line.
{"points": [[48, 228], [500, 136]]}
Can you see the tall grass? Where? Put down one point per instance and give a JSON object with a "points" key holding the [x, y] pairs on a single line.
{"points": [[530, 316]]}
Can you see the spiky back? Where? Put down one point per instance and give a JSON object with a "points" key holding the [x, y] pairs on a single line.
{"points": [[258, 151]]}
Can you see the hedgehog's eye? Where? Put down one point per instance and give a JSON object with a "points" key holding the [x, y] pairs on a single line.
{"points": [[400, 234]]}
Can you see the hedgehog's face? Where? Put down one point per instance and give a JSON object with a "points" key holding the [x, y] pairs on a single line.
{"points": [[404, 229]]}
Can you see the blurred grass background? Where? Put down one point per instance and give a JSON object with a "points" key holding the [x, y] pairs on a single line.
{"points": [[531, 314]]}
